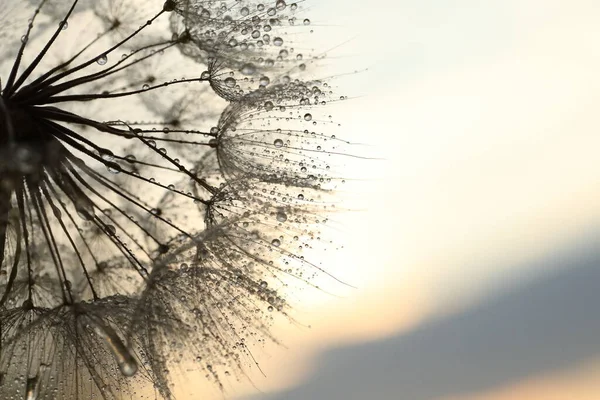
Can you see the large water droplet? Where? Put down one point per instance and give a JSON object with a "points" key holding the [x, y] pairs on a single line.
{"points": [[244, 11], [276, 242], [307, 117], [229, 82], [102, 60], [32, 389], [278, 143], [113, 168], [125, 360], [278, 41], [280, 4], [281, 216], [264, 81], [248, 69]]}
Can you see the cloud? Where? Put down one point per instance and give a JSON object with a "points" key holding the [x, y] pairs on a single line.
{"points": [[545, 325]]}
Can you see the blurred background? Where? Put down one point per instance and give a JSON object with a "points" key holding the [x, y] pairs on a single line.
{"points": [[474, 240]]}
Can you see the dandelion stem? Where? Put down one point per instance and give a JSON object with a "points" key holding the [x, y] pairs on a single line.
{"points": [[105, 53], [17, 63], [52, 90], [15, 265], [41, 54]]}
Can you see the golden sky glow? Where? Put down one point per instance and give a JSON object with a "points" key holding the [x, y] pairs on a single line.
{"points": [[486, 115]]}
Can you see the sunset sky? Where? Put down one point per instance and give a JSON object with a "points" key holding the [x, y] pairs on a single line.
{"points": [[474, 242]]}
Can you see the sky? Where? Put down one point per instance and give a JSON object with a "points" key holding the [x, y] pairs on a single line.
{"points": [[473, 242]]}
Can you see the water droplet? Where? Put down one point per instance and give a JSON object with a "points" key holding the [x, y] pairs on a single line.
{"points": [[270, 308], [300, 196], [307, 117], [145, 86], [278, 143], [229, 82], [111, 230], [84, 209], [32, 388], [276, 242], [64, 25], [244, 11], [125, 360], [264, 284], [278, 41], [268, 105], [280, 4], [205, 75], [102, 60], [248, 69], [281, 216], [306, 21], [264, 81], [113, 168]]}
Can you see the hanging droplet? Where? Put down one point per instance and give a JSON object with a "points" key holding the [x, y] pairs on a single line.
{"points": [[125, 360], [307, 117], [113, 168], [111, 230], [64, 25], [278, 143], [276, 242], [145, 86], [85, 210], [32, 388], [102, 60]]}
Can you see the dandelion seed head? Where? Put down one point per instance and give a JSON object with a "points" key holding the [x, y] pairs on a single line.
{"points": [[160, 188]]}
